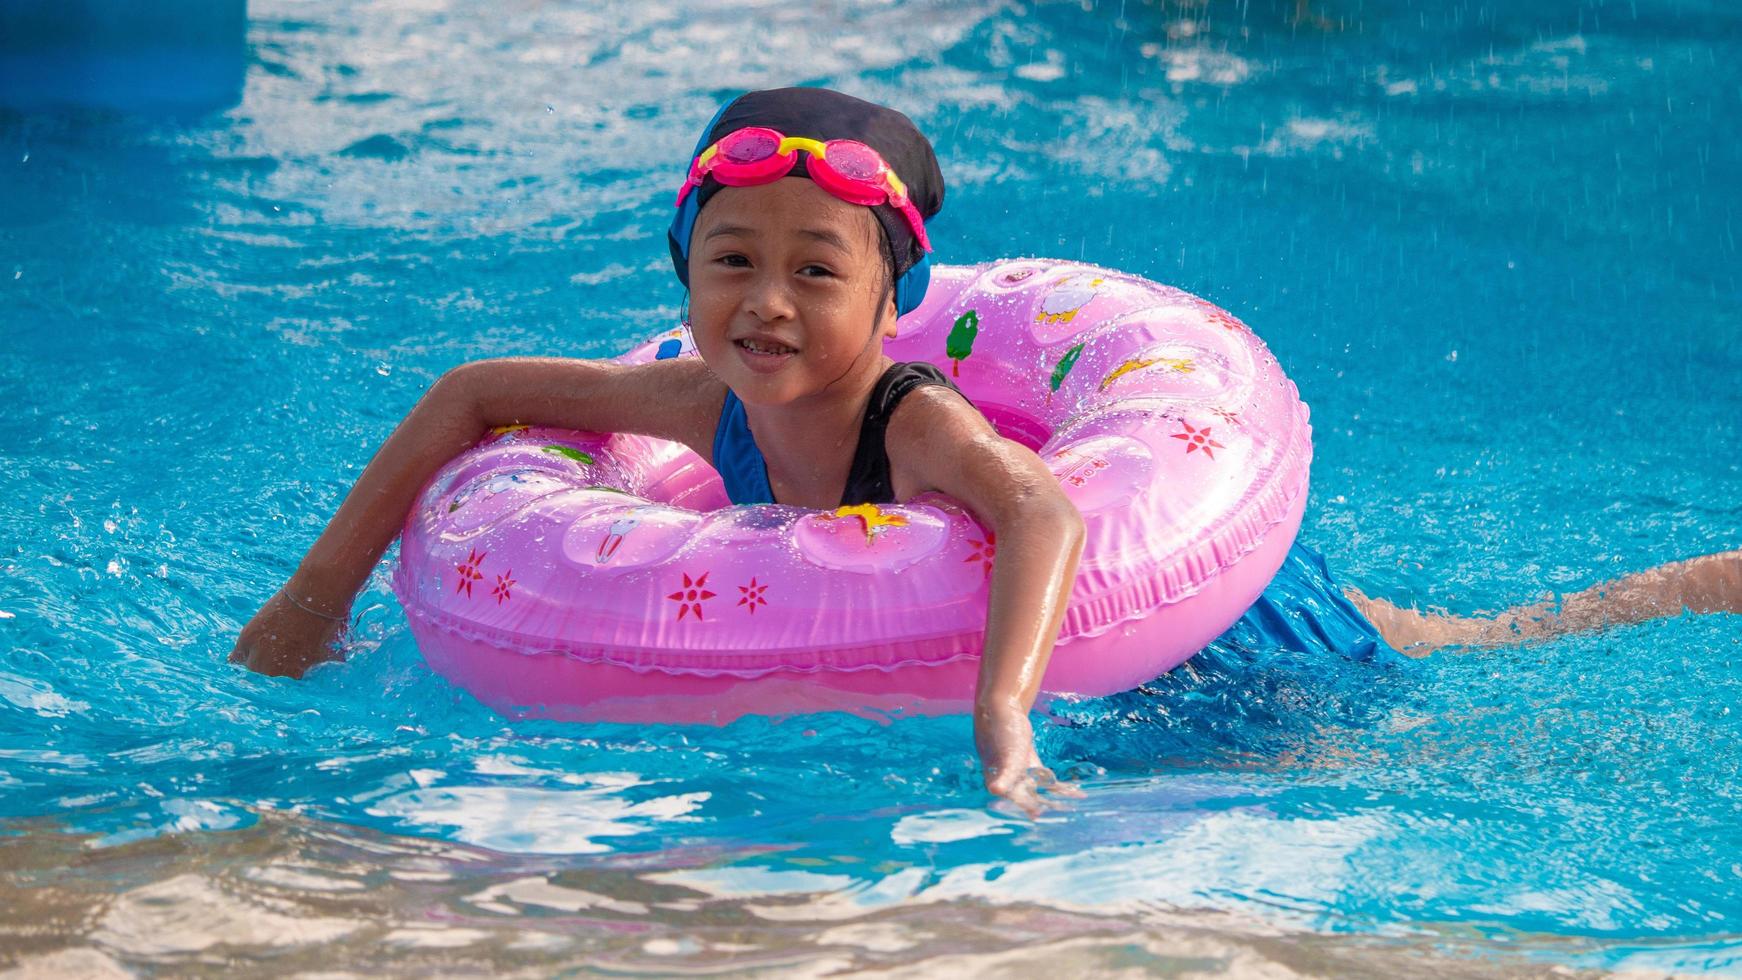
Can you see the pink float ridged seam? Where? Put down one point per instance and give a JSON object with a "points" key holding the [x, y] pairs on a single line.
{"points": [[606, 577]]}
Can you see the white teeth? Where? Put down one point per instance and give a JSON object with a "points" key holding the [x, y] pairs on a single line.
{"points": [[765, 348]]}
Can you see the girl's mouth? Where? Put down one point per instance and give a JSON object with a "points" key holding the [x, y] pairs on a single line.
{"points": [[763, 356], [766, 347]]}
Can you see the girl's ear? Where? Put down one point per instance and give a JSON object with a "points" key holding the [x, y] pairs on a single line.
{"points": [[890, 318]]}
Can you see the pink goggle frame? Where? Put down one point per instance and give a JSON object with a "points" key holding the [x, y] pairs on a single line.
{"points": [[848, 169]]}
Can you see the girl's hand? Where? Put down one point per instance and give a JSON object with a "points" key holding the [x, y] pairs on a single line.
{"points": [[285, 638], [1012, 766]]}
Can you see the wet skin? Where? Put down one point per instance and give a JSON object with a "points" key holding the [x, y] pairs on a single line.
{"points": [[790, 303], [790, 306]]}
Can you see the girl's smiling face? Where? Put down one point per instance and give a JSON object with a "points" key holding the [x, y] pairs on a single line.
{"points": [[790, 294]]}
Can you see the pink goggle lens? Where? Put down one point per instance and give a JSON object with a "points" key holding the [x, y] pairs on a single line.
{"points": [[854, 160], [750, 146]]}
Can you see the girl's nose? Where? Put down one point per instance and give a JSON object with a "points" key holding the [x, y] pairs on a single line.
{"points": [[769, 299]]}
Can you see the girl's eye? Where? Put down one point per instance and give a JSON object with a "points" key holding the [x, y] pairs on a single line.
{"points": [[816, 271], [733, 260]]}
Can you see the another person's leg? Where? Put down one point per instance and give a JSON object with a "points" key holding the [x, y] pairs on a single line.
{"points": [[1709, 583]]}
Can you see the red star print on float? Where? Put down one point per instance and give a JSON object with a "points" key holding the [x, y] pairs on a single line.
{"points": [[752, 596], [689, 599], [1196, 439], [469, 573]]}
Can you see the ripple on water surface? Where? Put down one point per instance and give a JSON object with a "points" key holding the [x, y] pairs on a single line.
{"points": [[1490, 246]]}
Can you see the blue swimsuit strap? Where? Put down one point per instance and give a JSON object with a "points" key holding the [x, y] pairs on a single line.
{"points": [[740, 463], [745, 472]]}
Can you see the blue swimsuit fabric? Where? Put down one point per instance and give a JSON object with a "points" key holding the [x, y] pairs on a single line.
{"points": [[736, 457], [1301, 611]]}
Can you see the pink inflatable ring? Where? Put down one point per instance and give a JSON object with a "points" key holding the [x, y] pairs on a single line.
{"points": [[606, 577]]}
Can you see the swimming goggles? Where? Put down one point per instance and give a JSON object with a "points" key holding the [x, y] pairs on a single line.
{"points": [[848, 169]]}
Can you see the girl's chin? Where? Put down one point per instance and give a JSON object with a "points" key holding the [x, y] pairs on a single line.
{"points": [[764, 393]]}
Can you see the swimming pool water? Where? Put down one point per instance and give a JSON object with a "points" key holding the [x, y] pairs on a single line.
{"points": [[1494, 245]]}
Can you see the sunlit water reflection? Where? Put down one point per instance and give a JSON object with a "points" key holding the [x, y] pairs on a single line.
{"points": [[1495, 248]]}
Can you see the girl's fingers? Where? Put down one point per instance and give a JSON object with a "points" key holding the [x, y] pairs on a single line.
{"points": [[1047, 780], [1025, 792], [1022, 798]]}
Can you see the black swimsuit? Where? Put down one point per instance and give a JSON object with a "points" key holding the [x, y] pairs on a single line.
{"points": [[745, 472]]}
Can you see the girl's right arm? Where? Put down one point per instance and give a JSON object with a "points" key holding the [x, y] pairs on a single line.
{"points": [[673, 399]]}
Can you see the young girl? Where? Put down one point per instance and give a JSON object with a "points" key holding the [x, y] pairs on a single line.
{"points": [[800, 234], [798, 256]]}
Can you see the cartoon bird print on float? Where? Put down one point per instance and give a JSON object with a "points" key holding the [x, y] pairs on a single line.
{"points": [[615, 534], [872, 516], [1178, 365], [1070, 295]]}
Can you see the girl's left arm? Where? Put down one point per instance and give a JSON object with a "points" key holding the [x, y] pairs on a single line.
{"points": [[939, 442]]}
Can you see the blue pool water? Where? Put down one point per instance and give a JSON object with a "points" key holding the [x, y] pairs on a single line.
{"points": [[1494, 244]]}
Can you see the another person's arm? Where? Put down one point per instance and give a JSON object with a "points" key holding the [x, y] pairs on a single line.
{"points": [[1706, 584], [293, 631], [948, 446]]}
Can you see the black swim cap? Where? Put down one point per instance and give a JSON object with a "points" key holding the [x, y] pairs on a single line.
{"points": [[822, 114]]}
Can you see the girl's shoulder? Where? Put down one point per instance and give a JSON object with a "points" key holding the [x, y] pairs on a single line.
{"points": [[932, 432], [934, 416]]}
